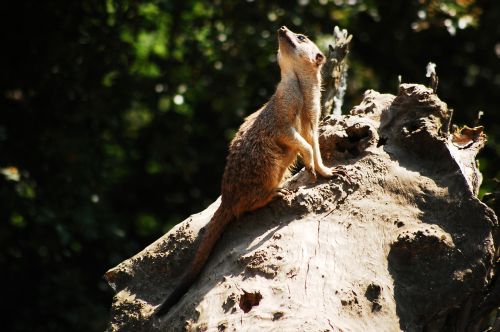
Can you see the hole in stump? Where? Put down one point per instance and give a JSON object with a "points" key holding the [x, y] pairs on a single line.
{"points": [[351, 144], [277, 315], [372, 292], [249, 300], [373, 295], [382, 141]]}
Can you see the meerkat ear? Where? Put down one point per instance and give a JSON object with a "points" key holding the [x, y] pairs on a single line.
{"points": [[320, 59]]}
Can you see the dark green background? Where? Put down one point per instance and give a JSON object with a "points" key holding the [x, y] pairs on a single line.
{"points": [[116, 115]]}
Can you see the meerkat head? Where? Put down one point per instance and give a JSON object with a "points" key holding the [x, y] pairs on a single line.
{"points": [[296, 51]]}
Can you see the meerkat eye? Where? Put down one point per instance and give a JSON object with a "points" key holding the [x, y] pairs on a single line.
{"points": [[302, 38]]}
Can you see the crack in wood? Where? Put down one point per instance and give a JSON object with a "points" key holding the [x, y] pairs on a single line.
{"points": [[307, 274]]}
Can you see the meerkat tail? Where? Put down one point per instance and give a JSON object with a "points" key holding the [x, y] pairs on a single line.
{"points": [[205, 243]]}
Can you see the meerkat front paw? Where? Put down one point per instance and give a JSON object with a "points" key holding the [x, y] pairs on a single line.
{"points": [[311, 169], [325, 171], [314, 177], [329, 172], [312, 172]]}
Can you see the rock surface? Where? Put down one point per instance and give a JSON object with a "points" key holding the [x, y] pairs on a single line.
{"points": [[397, 246]]}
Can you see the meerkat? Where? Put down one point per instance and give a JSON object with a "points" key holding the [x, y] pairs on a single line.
{"points": [[265, 146]]}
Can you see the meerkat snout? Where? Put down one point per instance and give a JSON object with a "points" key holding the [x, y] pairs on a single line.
{"points": [[297, 47], [285, 38]]}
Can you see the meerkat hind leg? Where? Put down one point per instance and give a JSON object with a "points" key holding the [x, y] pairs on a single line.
{"points": [[260, 202]]}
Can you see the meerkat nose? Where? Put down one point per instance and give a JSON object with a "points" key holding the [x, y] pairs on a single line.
{"points": [[283, 28]]}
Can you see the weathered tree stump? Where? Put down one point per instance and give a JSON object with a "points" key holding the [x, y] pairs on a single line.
{"points": [[403, 245]]}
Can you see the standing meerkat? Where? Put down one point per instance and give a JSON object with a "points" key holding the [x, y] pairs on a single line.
{"points": [[266, 145]]}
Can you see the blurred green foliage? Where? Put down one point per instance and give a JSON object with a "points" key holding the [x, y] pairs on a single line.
{"points": [[116, 115]]}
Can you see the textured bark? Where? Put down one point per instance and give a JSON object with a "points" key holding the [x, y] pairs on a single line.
{"points": [[334, 73], [403, 245]]}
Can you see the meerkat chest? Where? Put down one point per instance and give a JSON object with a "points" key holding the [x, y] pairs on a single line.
{"points": [[308, 116]]}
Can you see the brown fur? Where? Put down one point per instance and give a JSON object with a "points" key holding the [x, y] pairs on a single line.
{"points": [[266, 145]]}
